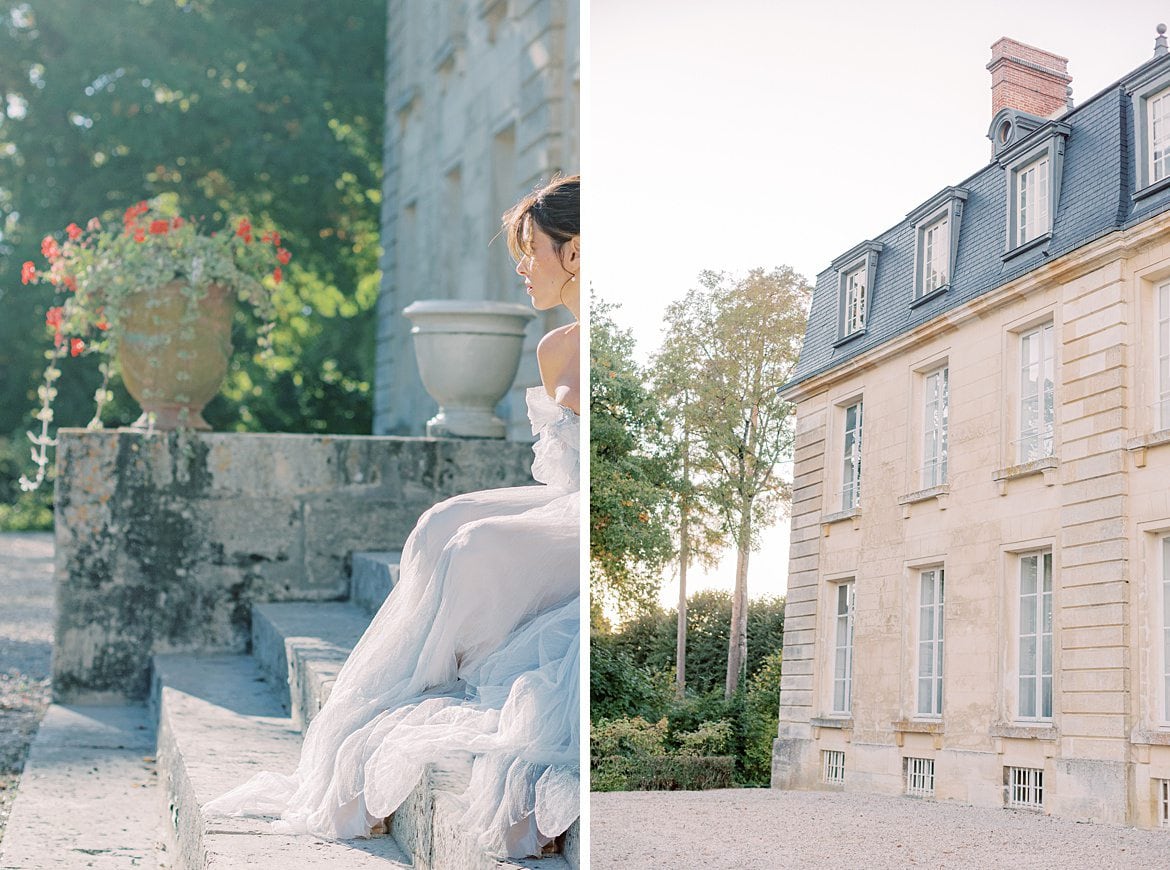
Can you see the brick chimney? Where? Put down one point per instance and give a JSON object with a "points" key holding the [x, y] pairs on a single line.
{"points": [[1027, 79]]}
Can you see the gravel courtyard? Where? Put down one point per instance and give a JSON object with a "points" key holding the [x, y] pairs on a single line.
{"points": [[26, 638], [762, 828]]}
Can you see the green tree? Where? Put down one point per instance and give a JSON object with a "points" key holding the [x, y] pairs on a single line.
{"points": [[745, 334], [676, 371], [235, 106], [647, 640], [631, 472]]}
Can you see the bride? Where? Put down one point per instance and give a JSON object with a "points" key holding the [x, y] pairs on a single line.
{"points": [[472, 660]]}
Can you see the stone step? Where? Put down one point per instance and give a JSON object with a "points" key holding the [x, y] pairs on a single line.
{"points": [[301, 646], [372, 576], [89, 796], [310, 642], [427, 825], [219, 722]]}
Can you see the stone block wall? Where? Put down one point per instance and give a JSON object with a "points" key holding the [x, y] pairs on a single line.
{"points": [[1100, 505], [482, 104], [163, 542]]}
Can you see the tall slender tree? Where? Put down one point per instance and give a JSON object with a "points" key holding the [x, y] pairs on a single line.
{"points": [[742, 337], [675, 371]]}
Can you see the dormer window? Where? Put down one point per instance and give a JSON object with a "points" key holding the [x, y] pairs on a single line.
{"points": [[935, 262], [1151, 129], [856, 271], [1158, 107], [855, 300], [1033, 169], [936, 228], [1032, 216]]}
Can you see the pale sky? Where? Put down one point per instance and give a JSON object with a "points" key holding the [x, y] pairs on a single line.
{"points": [[765, 132]]}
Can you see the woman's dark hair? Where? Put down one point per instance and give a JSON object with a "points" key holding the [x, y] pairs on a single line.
{"points": [[555, 208]]}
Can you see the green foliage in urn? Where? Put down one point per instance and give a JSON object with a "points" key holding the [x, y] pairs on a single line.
{"points": [[234, 107], [109, 275]]}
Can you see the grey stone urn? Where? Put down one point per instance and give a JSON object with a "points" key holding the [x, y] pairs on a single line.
{"points": [[468, 353]]}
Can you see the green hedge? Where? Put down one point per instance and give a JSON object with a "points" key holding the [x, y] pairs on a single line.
{"points": [[662, 773]]}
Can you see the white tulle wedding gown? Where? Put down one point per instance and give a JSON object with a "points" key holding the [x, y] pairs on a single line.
{"points": [[473, 658]]}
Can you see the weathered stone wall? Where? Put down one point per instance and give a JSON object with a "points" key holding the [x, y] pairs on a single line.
{"points": [[164, 542], [482, 104]]}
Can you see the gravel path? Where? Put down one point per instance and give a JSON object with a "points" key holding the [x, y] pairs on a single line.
{"points": [[764, 828], [26, 639]]}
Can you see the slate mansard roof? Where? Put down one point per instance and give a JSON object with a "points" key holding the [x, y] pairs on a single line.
{"points": [[1096, 198]]}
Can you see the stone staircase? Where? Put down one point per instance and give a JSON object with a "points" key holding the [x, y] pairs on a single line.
{"points": [[101, 782]]}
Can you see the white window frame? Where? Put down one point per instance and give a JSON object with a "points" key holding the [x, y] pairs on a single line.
{"points": [[919, 776], [936, 260], [1162, 802], [1158, 125], [1035, 637], [1149, 90], [1038, 386], [855, 299], [1162, 356], [1025, 788], [844, 605], [936, 412], [936, 232], [931, 619], [1033, 168], [1162, 544], [1033, 217], [851, 445], [833, 766], [856, 276]]}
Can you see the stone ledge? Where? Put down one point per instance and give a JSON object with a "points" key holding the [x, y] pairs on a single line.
{"points": [[832, 722], [939, 493], [933, 727], [1046, 466], [1143, 737], [1024, 732], [828, 520], [1138, 446], [918, 726]]}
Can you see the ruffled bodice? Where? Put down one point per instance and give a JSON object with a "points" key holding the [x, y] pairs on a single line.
{"points": [[558, 445]]}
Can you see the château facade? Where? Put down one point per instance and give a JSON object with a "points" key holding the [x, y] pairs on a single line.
{"points": [[482, 104], [979, 590]]}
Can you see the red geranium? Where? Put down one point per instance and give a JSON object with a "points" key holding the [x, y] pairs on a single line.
{"points": [[73, 231], [159, 228], [28, 272], [49, 248], [76, 347]]}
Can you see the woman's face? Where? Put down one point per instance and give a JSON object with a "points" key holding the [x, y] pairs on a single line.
{"points": [[546, 271]]}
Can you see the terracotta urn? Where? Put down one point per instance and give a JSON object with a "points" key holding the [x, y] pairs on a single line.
{"points": [[468, 353], [173, 366]]}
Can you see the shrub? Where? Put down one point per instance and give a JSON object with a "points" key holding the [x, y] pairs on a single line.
{"points": [[627, 737], [662, 773]]}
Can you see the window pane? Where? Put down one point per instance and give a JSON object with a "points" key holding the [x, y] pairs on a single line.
{"points": [[1028, 697]]}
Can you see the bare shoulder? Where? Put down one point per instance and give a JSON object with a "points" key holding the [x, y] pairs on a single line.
{"points": [[562, 339], [559, 344], [558, 358]]}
